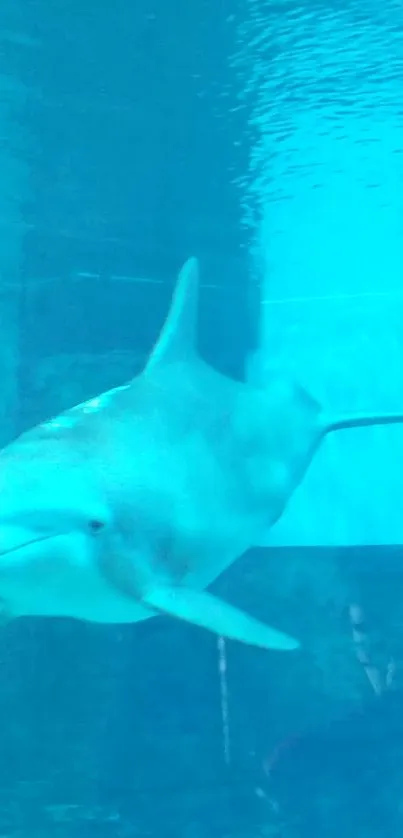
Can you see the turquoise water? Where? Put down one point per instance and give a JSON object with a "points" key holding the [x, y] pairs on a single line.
{"points": [[265, 138]]}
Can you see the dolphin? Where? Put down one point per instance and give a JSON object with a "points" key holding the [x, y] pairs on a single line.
{"points": [[129, 505]]}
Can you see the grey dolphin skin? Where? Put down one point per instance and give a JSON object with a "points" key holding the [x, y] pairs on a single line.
{"points": [[131, 504]]}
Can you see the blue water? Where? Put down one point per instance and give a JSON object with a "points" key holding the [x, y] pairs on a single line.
{"points": [[267, 139]]}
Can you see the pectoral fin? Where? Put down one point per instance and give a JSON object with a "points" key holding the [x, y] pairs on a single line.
{"points": [[205, 610]]}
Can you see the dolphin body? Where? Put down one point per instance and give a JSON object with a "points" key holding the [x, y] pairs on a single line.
{"points": [[130, 504]]}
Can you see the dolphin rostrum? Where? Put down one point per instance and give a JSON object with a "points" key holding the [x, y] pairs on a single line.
{"points": [[130, 504]]}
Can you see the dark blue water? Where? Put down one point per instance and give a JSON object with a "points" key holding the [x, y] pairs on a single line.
{"points": [[133, 136]]}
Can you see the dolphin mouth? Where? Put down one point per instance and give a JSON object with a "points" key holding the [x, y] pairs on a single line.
{"points": [[10, 544]]}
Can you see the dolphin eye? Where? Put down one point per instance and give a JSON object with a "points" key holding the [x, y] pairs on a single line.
{"points": [[96, 525]]}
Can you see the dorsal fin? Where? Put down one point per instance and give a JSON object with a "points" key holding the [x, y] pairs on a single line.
{"points": [[177, 339]]}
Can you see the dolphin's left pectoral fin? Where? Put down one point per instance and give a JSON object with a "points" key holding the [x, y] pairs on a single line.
{"points": [[205, 610]]}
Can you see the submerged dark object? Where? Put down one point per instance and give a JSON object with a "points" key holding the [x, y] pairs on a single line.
{"points": [[347, 773]]}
